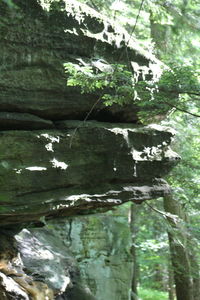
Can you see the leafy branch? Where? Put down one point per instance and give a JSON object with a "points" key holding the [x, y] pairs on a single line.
{"points": [[117, 85]]}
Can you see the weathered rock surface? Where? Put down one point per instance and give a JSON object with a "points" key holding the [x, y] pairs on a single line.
{"points": [[75, 170], [101, 244], [35, 43], [44, 266], [19, 121]]}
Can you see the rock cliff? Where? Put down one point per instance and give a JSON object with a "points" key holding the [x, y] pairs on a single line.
{"points": [[54, 164]]}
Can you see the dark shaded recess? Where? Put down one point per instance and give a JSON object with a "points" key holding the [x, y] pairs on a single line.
{"points": [[77, 293], [20, 121], [30, 7], [105, 115], [144, 139], [110, 29], [58, 18], [126, 55], [94, 25], [8, 246], [57, 5], [57, 106]]}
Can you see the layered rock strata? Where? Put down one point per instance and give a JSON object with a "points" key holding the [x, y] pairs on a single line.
{"points": [[53, 164], [80, 168], [38, 37]]}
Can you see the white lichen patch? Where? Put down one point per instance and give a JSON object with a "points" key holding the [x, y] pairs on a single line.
{"points": [[79, 197], [153, 153], [51, 139], [59, 164], [94, 197], [18, 171], [114, 167], [162, 128], [143, 189], [136, 155], [170, 154], [73, 31], [115, 201], [65, 282], [156, 70], [123, 132], [60, 206], [11, 286], [35, 168], [135, 169], [49, 147], [148, 153]]}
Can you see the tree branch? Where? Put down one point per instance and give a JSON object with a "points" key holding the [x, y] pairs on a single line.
{"points": [[181, 109], [177, 91], [166, 215]]}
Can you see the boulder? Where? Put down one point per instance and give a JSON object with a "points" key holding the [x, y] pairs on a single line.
{"points": [[41, 260]]}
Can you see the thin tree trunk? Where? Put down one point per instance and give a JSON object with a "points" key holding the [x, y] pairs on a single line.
{"points": [[178, 251], [194, 270], [196, 288], [133, 217], [170, 282]]}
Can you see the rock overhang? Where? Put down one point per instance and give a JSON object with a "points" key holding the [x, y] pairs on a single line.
{"points": [[81, 167], [33, 79]]}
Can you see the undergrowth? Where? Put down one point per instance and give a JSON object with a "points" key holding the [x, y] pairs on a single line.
{"points": [[150, 294]]}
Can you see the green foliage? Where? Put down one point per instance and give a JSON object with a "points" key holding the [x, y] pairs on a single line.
{"points": [[185, 177], [117, 84], [85, 77], [114, 85], [151, 294], [152, 247]]}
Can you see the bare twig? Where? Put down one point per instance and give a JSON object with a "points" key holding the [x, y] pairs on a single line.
{"points": [[84, 120], [165, 215], [156, 210]]}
